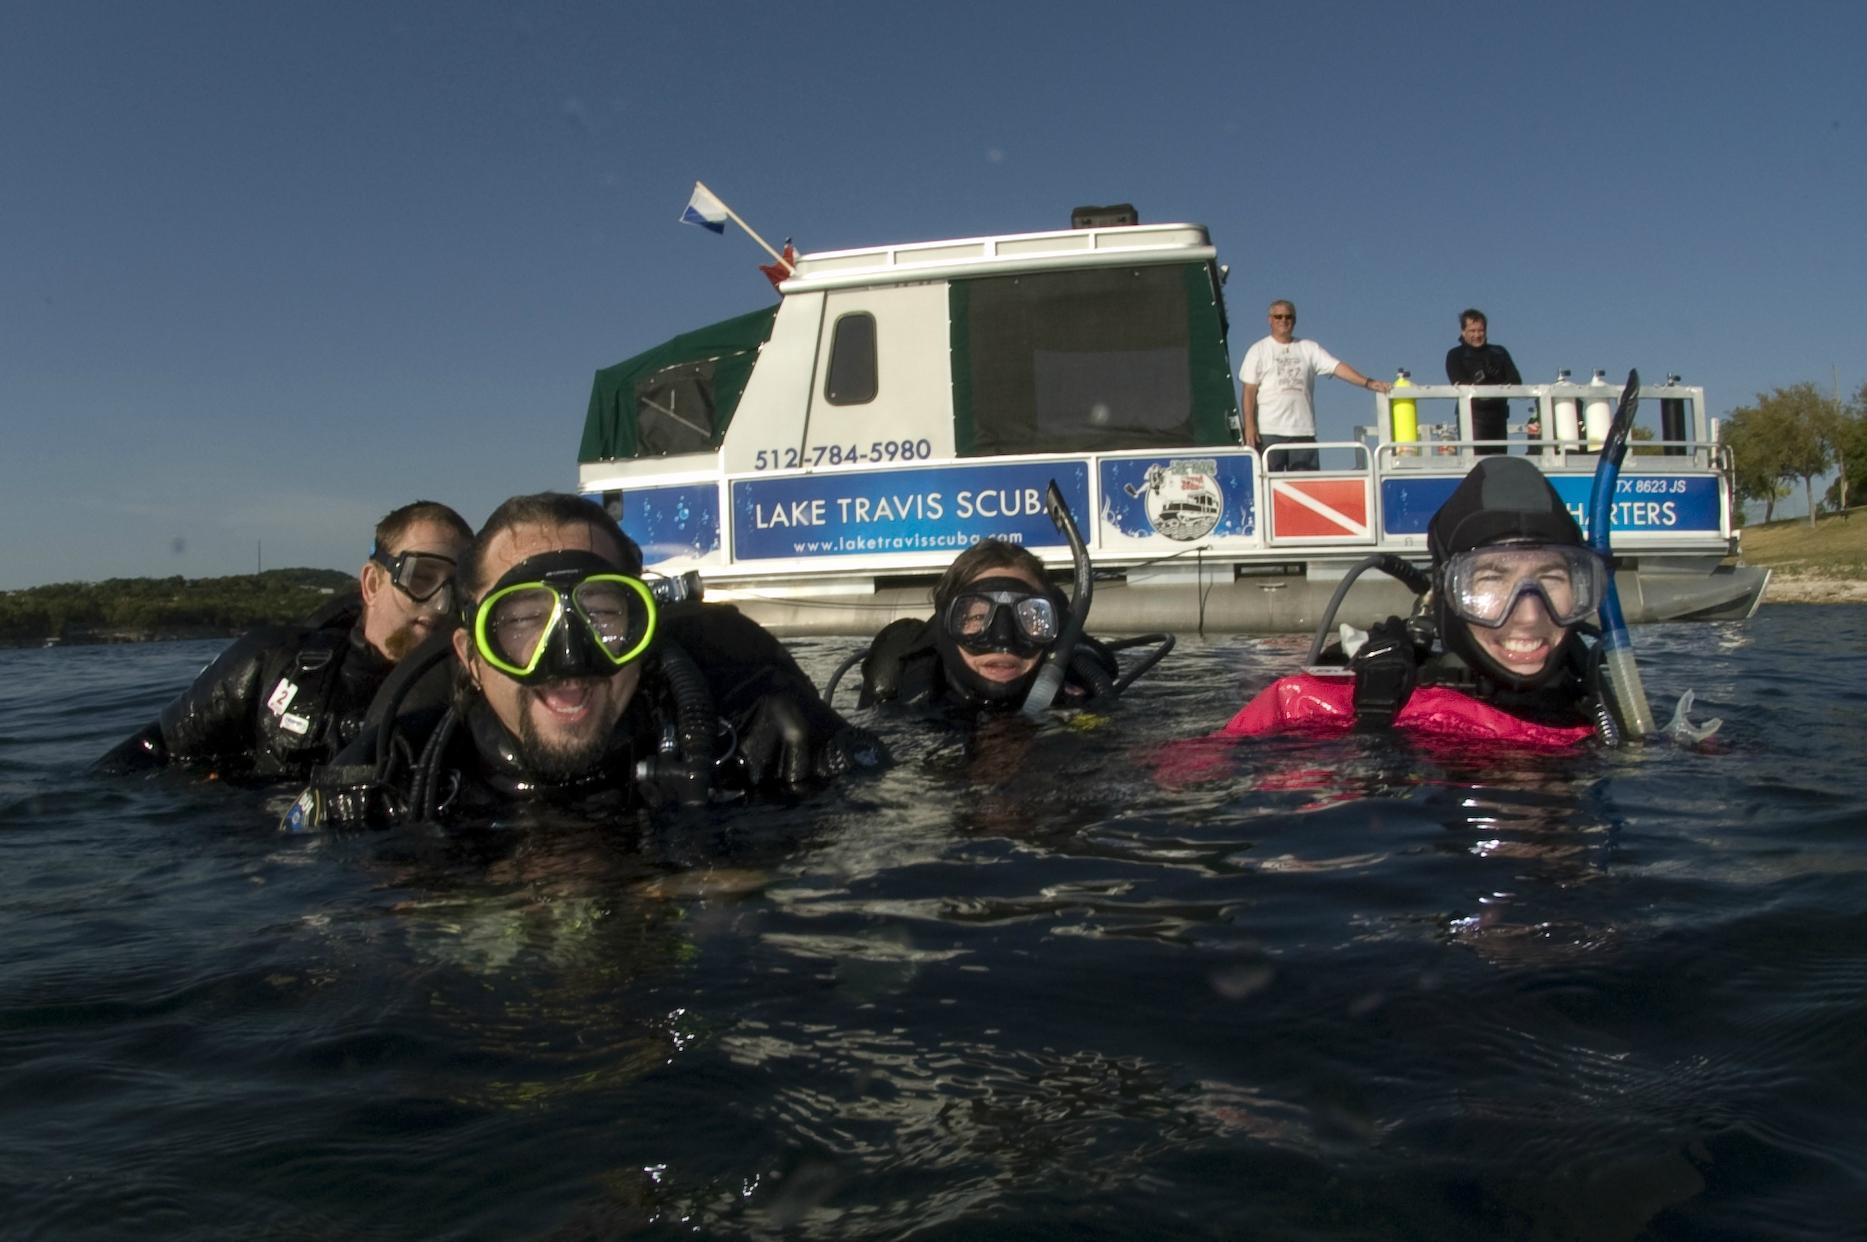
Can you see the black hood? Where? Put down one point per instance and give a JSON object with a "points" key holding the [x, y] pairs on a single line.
{"points": [[1503, 498]]}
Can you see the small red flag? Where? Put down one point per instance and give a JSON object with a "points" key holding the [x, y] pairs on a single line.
{"points": [[779, 272]]}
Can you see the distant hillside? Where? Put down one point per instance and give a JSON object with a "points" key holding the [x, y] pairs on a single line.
{"points": [[140, 609]]}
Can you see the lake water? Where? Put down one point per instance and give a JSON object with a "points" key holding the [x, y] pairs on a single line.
{"points": [[1044, 983]]}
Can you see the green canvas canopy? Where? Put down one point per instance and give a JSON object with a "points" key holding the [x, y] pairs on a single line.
{"points": [[678, 397]]}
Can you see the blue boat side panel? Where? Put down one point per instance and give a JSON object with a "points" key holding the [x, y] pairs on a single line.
{"points": [[1408, 504], [870, 513], [671, 523], [1185, 498], [1646, 504]]}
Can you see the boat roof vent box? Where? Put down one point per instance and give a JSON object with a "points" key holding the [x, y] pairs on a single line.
{"points": [[1109, 217]]}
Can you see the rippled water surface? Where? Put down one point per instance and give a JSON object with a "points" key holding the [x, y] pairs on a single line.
{"points": [[1081, 981]]}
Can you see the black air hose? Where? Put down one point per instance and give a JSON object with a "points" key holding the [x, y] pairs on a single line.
{"points": [[687, 773]]}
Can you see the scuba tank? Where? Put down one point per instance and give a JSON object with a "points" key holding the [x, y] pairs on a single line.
{"points": [[1567, 414], [1598, 414], [1404, 415], [1672, 421]]}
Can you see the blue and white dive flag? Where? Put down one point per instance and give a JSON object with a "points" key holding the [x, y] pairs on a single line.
{"points": [[705, 210]]}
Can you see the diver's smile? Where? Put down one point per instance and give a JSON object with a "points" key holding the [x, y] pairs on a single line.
{"points": [[1526, 652], [567, 701], [1525, 642]]}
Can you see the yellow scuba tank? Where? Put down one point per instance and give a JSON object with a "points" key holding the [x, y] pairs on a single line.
{"points": [[1404, 414]]}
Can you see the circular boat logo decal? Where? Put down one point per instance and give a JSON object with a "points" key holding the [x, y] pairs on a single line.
{"points": [[1184, 500]]}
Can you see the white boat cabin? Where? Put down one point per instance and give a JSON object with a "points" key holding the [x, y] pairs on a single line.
{"points": [[822, 461]]}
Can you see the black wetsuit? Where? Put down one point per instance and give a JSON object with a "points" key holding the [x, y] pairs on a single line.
{"points": [[276, 703], [1484, 364], [904, 666], [722, 706]]}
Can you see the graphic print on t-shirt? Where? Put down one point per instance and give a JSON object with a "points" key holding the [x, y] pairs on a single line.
{"points": [[1291, 369]]}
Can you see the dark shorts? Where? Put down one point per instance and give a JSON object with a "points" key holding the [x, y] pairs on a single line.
{"points": [[1295, 459]]}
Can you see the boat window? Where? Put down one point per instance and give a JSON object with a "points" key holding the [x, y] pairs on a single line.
{"points": [[674, 410], [853, 372], [1089, 360], [678, 397]]}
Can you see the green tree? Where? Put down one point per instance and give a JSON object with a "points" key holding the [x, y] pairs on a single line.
{"points": [[1848, 440], [1807, 421], [1756, 460]]}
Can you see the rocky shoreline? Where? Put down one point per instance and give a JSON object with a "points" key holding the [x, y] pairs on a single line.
{"points": [[1788, 588]]}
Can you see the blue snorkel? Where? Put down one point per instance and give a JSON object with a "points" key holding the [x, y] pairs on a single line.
{"points": [[1629, 698], [1050, 674]]}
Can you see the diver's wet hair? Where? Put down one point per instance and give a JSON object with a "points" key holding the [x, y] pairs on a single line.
{"points": [[396, 522], [985, 555], [552, 509]]}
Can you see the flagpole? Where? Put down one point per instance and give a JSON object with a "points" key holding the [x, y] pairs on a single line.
{"points": [[734, 217]]}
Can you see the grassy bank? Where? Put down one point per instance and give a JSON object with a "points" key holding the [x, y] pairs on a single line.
{"points": [[1835, 547]]}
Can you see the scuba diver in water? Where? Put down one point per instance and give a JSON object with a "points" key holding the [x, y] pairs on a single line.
{"points": [[572, 683], [996, 617], [282, 699], [1002, 638], [1512, 583]]}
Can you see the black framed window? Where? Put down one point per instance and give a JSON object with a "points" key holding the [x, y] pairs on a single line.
{"points": [[853, 377], [1082, 361]]}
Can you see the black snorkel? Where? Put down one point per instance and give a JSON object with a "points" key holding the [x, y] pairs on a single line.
{"points": [[1050, 674], [1631, 711]]}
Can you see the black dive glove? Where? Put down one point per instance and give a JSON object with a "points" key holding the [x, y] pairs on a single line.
{"points": [[1387, 668], [777, 745]]}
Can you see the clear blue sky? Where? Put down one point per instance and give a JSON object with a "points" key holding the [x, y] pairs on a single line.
{"points": [[268, 270]]}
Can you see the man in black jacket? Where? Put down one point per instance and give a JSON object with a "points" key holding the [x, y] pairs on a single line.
{"points": [[283, 699], [1474, 361]]}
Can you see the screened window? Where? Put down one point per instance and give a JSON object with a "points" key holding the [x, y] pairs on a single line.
{"points": [[853, 370], [674, 410], [1088, 361]]}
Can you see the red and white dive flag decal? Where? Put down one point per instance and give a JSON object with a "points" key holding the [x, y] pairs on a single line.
{"points": [[1319, 508]]}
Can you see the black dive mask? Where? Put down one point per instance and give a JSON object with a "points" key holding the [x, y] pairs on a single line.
{"points": [[1002, 614], [989, 615], [562, 614]]}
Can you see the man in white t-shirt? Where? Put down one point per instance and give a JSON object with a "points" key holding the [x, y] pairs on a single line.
{"points": [[1279, 376]]}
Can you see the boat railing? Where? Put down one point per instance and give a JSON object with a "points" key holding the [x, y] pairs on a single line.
{"points": [[1275, 456], [1437, 451], [1441, 425]]}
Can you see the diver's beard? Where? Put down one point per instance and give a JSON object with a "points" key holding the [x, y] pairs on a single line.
{"points": [[558, 761], [401, 642]]}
